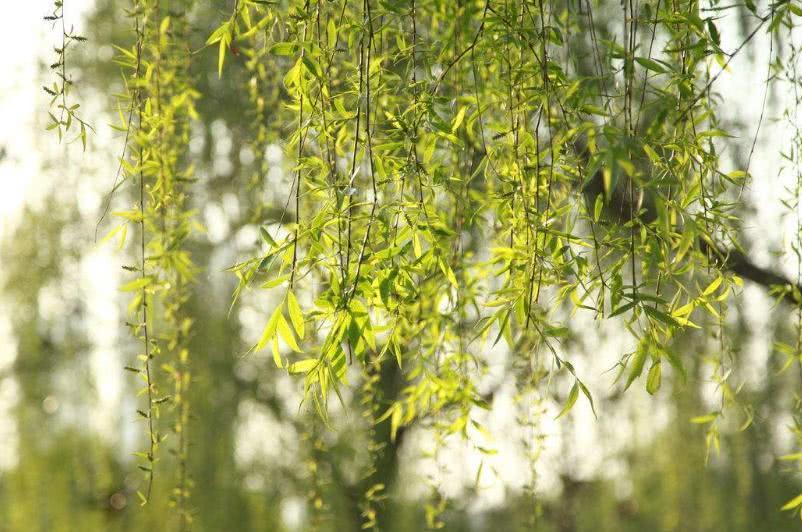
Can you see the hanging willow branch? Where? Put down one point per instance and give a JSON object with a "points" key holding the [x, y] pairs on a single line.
{"points": [[466, 177], [161, 98], [68, 115], [647, 191]]}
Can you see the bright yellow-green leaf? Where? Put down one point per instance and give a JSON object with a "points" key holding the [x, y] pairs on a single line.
{"points": [[573, 395], [286, 334], [793, 503], [395, 422], [272, 283], [701, 420], [449, 273], [651, 153], [653, 379], [712, 286], [111, 234], [283, 48], [303, 366], [267, 238], [216, 36], [597, 207], [270, 330], [331, 34], [296, 314], [276, 352], [684, 310], [636, 364], [458, 119], [136, 284], [221, 57]]}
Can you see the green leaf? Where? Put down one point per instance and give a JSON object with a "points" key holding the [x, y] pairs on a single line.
{"points": [[793, 503], [457, 122], [712, 133], [587, 395], [221, 57], [111, 234], [712, 286], [623, 308], [636, 364], [296, 315], [653, 379], [711, 27], [136, 284], [651, 154], [303, 366], [312, 66], [593, 110], [651, 64], [275, 282], [283, 48], [286, 334], [395, 422], [331, 34], [684, 310], [449, 273], [597, 207], [269, 331], [573, 395], [267, 238], [216, 36], [660, 316], [276, 352], [702, 420]]}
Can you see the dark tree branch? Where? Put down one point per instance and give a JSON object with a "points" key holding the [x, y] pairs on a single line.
{"points": [[732, 260], [741, 265]]}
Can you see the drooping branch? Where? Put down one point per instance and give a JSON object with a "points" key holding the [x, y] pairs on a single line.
{"points": [[732, 260], [740, 264]]}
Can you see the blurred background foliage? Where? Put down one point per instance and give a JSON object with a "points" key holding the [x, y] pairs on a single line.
{"points": [[258, 462]]}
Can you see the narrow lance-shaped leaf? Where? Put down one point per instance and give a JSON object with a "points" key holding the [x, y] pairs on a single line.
{"points": [[296, 315], [573, 395], [286, 334]]}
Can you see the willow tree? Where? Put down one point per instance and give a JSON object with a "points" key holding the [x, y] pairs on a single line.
{"points": [[465, 178]]}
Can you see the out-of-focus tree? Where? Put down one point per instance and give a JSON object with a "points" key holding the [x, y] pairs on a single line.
{"points": [[429, 212]]}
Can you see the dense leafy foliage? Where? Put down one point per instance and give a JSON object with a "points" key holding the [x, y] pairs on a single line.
{"points": [[463, 180]]}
